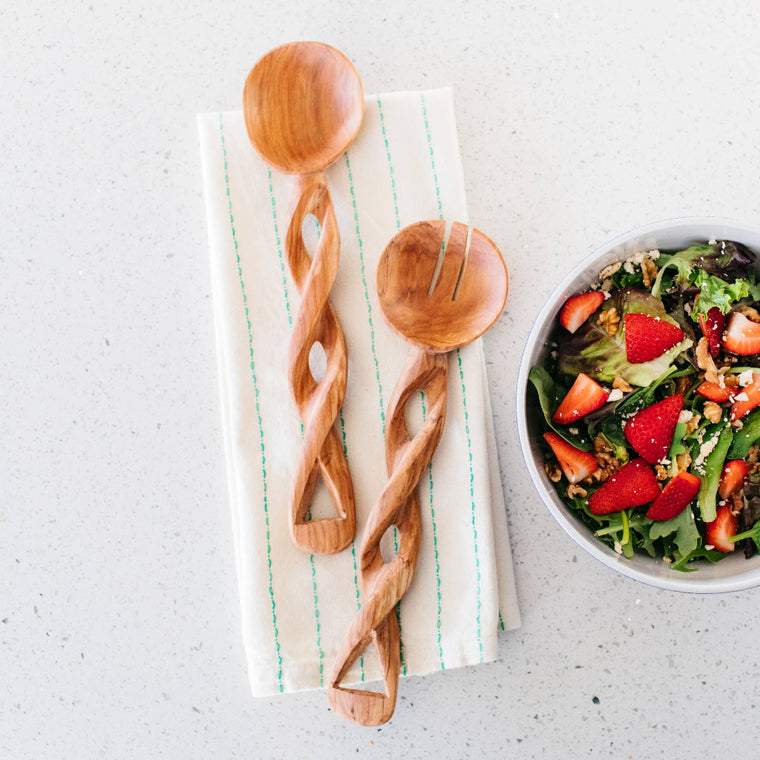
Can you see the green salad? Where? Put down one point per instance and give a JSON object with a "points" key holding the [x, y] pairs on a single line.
{"points": [[650, 399]]}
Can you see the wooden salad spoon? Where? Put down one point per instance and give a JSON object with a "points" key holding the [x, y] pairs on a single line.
{"points": [[303, 104], [438, 295]]}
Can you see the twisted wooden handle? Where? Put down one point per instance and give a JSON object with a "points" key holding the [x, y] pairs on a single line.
{"points": [[384, 583], [318, 402]]}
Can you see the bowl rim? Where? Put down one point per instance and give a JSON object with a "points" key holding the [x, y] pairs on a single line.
{"points": [[680, 583]]}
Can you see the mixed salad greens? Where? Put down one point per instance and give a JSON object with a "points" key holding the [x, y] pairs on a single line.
{"points": [[650, 394]]}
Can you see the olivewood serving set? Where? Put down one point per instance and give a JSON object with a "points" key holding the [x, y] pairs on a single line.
{"points": [[440, 286]]}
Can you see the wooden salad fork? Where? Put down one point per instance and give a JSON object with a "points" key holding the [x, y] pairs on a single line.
{"points": [[439, 295]]}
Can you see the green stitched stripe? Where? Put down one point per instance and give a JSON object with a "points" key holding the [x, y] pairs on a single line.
{"points": [[258, 407], [435, 552], [366, 294], [353, 543], [464, 403], [398, 227], [430, 467], [390, 163], [318, 627], [472, 502], [432, 156]]}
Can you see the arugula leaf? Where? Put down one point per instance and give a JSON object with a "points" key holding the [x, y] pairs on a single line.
{"points": [[549, 398], [676, 446], [712, 555], [745, 437], [713, 466], [684, 526], [753, 533]]}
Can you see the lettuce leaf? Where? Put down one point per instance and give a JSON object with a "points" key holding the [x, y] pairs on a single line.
{"points": [[684, 526], [713, 291], [724, 259], [602, 356]]}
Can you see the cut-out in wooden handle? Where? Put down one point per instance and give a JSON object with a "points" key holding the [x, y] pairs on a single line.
{"points": [[384, 583], [318, 403]]}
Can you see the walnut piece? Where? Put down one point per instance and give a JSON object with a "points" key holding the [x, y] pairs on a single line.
{"points": [[609, 320], [705, 361], [683, 461], [693, 424], [575, 490], [713, 411], [648, 271], [622, 385], [660, 472], [553, 471], [752, 314], [683, 384]]}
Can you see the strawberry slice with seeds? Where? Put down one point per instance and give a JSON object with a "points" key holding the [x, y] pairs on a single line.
{"points": [[712, 325], [742, 335], [650, 431], [632, 485], [675, 496], [721, 529], [647, 338], [732, 477], [746, 399], [576, 464], [717, 393], [584, 397], [579, 308]]}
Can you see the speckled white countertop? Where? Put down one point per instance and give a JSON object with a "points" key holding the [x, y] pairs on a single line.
{"points": [[119, 621]]}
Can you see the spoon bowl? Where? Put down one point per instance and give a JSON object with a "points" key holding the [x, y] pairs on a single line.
{"points": [[303, 105], [440, 293]]}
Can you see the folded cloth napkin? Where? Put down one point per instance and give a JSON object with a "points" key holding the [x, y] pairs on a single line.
{"points": [[404, 166]]}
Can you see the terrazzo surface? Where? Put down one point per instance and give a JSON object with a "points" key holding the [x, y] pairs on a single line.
{"points": [[119, 620]]}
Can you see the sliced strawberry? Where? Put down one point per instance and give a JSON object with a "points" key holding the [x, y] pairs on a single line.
{"points": [[578, 309], [732, 478], [584, 397], [712, 328], [675, 496], [721, 529], [632, 485], [647, 337], [717, 393], [742, 335], [575, 464], [650, 431], [746, 398]]}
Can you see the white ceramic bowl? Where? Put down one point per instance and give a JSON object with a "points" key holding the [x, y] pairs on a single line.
{"points": [[730, 574]]}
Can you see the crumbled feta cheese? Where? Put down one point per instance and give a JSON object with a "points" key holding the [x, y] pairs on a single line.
{"points": [[709, 547], [745, 378], [685, 415], [618, 548], [704, 451], [615, 395], [741, 397], [573, 430]]}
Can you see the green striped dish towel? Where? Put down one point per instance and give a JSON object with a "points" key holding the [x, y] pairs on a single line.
{"points": [[404, 166]]}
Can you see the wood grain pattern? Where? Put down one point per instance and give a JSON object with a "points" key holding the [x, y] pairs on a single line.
{"points": [[384, 583], [438, 300], [303, 105]]}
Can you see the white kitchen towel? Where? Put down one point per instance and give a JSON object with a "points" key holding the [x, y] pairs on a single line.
{"points": [[404, 166]]}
